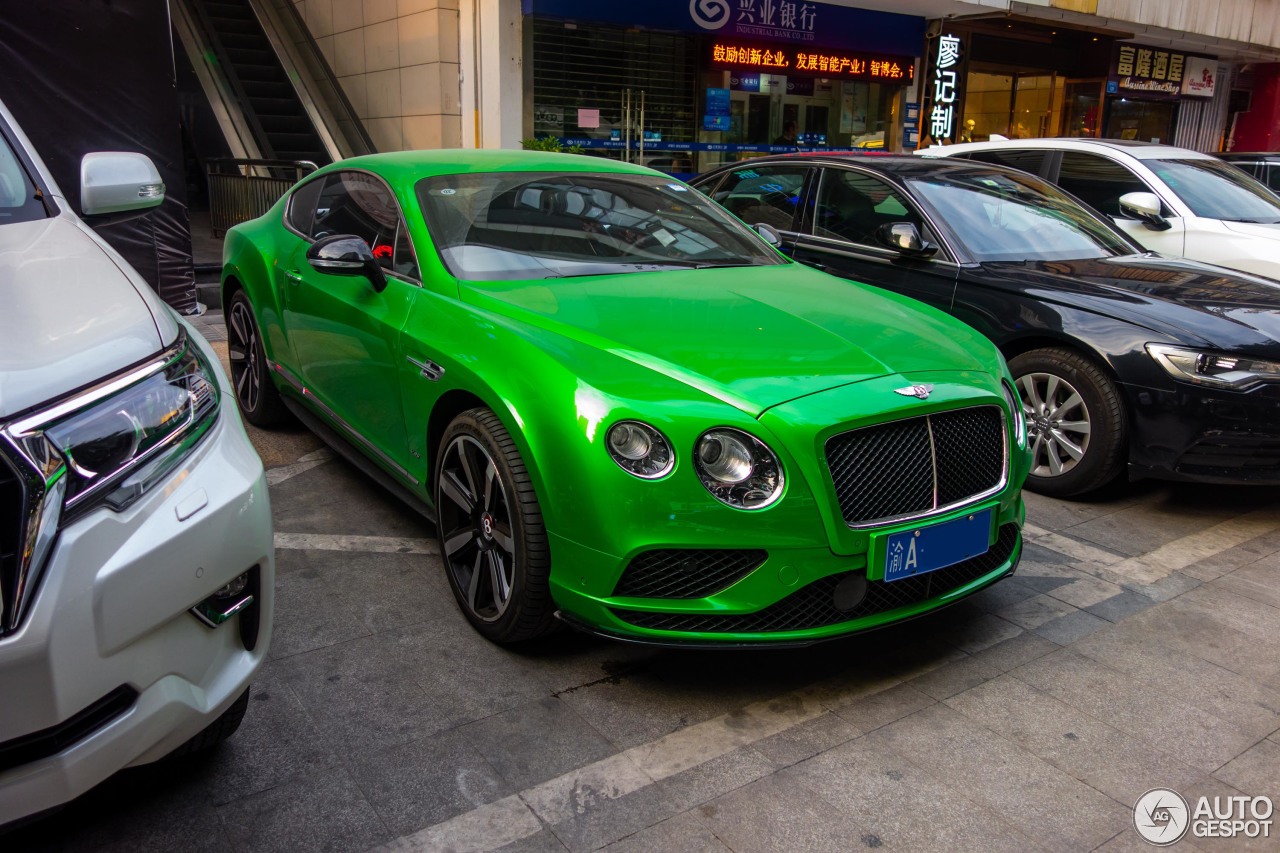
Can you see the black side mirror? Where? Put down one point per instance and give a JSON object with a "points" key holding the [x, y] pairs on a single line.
{"points": [[904, 237], [347, 254]]}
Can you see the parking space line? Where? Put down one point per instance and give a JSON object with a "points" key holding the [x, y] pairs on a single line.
{"points": [[278, 475], [1180, 553], [571, 794], [369, 544]]}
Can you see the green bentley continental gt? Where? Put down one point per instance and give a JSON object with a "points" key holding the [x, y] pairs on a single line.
{"points": [[623, 408]]}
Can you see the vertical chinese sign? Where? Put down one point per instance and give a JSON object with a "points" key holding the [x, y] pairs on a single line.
{"points": [[945, 97]]}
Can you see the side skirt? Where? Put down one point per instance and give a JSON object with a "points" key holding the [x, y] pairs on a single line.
{"points": [[349, 452]]}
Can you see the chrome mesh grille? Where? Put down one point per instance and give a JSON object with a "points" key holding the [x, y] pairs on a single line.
{"points": [[915, 466]]}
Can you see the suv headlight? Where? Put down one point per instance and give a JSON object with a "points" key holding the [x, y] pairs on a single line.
{"points": [[1206, 368], [108, 444], [119, 439], [738, 469]]}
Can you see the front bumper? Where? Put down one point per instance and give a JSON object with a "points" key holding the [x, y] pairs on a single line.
{"points": [[111, 619], [1199, 434], [796, 596]]}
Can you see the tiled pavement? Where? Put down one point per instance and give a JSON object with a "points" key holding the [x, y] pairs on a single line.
{"points": [[1137, 647]]}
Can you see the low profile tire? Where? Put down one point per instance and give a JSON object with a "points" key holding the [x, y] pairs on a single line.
{"points": [[256, 395], [492, 539], [1075, 422], [217, 731]]}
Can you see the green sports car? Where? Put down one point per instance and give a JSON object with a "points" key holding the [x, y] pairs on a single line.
{"points": [[622, 407]]}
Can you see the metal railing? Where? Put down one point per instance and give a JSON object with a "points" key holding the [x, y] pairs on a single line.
{"points": [[242, 189]]}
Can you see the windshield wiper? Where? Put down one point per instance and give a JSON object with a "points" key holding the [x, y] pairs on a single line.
{"points": [[1257, 221]]}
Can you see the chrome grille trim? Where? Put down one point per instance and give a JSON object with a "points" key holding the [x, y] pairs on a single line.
{"points": [[936, 507]]}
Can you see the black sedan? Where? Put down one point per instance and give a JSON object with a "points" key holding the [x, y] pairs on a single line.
{"points": [[1121, 356]]}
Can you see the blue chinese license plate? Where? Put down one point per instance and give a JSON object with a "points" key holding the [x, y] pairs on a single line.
{"points": [[936, 546]]}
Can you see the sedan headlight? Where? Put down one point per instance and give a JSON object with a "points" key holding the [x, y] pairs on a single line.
{"points": [[1017, 413], [1206, 368], [640, 449], [738, 469]]}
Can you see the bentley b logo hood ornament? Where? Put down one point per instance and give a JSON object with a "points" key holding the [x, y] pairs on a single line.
{"points": [[920, 392]]}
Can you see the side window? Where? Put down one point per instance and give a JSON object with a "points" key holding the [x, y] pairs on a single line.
{"points": [[853, 205], [1097, 181], [302, 206], [359, 204], [403, 261], [1269, 174], [768, 194]]}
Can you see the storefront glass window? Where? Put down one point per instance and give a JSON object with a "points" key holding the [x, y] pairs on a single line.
{"points": [[1149, 121]]}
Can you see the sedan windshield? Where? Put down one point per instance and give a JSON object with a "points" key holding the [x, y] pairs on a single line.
{"points": [[522, 225], [1217, 190], [1004, 217]]}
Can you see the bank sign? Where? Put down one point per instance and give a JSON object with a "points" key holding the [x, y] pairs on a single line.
{"points": [[773, 21]]}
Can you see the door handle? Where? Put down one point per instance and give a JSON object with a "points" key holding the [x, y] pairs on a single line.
{"points": [[293, 276]]}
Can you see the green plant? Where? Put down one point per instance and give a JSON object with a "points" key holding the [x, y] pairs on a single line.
{"points": [[552, 144]]}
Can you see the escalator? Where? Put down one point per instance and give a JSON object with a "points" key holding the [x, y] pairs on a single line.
{"points": [[273, 93], [268, 100]]}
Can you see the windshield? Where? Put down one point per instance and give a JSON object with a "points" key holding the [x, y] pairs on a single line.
{"points": [[522, 225], [1217, 190], [1003, 217], [18, 199]]}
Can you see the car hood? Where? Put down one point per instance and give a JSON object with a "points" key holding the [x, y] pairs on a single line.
{"points": [[73, 313], [1221, 307], [751, 336], [1266, 230]]}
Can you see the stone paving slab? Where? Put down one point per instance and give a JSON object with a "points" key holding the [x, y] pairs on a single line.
{"points": [[1138, 646]]}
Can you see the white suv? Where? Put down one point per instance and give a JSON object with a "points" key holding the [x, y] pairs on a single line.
{"points": [[1171, 200], [136, 560]]}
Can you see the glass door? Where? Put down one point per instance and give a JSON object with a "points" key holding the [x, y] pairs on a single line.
{"points": [[1082, 108]]}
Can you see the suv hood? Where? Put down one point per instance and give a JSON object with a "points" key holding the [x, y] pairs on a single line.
{"points": [[753, 337], [74, 313]]}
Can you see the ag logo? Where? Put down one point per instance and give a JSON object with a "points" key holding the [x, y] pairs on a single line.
{"points": [[709, 14], [1161, 817]]}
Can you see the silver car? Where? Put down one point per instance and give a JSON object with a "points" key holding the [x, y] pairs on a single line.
{"points": [[136, 560]]}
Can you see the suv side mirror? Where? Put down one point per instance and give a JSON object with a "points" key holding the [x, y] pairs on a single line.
{"points": [[904, 237], [118, 182], [1144, 206], [347, 254]]}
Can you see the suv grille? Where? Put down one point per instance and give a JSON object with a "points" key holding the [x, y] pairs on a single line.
{"points": [[916, 466], [686, 573], [10, 538], [813, 606]]}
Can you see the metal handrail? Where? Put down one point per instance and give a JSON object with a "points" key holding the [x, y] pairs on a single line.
{"points": [[241, 189]]}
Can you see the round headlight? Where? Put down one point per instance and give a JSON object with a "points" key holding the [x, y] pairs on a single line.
{"points": [[724, 458], [1017, 413], [640, 449], [738, 469]]}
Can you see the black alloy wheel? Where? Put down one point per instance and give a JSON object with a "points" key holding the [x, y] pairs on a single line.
{"points": [[1076, 427], [257, 396], [492, 539]]}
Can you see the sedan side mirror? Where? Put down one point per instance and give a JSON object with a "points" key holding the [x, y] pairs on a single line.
{"points": [[347, 254], [769, 233], [904, 237], [1144, 206], [113, 183]]}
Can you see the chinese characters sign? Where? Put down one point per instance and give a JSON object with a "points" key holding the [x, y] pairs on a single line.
{"points": [[807, 61], [946, 88], [1137, 69]]}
